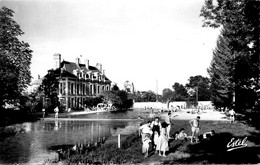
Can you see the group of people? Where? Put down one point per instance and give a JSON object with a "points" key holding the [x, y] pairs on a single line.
{"points": [[154, 132], [157, 134]]}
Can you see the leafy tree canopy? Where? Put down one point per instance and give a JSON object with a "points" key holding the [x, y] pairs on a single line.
{"points": [[15, 57], [120, 99], [168, 95], [181, 94], [202, 85]]}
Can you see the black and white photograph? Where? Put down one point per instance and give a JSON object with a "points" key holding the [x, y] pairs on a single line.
{"points": [[129, 82]]}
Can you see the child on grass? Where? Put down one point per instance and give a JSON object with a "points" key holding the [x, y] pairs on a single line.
{"points": [[145, 148]]}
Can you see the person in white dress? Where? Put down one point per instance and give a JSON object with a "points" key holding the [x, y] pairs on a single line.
{"points": [[162, 142]]}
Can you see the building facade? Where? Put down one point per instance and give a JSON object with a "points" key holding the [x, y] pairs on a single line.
{"points": [[77, 81]]}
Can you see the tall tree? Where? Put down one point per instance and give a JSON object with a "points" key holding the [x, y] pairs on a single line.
{"points": [[240, 20], [220, 71], [15, 56]]}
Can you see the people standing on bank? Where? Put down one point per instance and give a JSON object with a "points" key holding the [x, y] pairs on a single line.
{"points": [[168, 121], [43, 112], [162, 143], [145, 129], [232, 116], [156, 127], [56, 110], [195, 128]]}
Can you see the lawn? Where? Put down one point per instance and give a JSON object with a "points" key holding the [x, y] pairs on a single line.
{"points": [[213, 151]]}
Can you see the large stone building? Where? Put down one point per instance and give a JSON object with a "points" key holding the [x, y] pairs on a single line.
{"points": [[79, 80]]}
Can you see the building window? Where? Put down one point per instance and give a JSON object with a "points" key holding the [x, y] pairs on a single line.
{"points": [[87, 89], [60, 87], [72, 88], [77, 89], [83, 90], [90, 89], [72, 103], [68, 102], [69, 89], [87, 76], [80, 88], [95, 89], [63, 88]]}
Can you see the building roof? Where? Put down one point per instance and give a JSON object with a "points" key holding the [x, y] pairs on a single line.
{"points": [[69, 67]]}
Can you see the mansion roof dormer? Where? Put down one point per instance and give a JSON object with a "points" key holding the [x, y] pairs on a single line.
{"points": [[81, 71]]}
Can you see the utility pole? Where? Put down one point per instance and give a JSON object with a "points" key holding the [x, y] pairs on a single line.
{"points": [[197, 95], [156, 90]]}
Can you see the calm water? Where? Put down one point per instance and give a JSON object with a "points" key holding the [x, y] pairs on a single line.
{"points": [[32, 142]]}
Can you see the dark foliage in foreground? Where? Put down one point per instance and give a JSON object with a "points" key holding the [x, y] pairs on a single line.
{"points": [[8, 117]]}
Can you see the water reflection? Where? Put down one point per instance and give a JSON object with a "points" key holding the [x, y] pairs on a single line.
{"points": [[33, 140]]}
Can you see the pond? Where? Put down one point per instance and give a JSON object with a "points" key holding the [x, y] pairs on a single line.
{"points": [[31, 142]]}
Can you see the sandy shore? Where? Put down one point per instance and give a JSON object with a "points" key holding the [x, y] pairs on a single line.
{"points": [[209, 114]]}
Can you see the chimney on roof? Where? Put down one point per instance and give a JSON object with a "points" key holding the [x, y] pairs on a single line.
{"points": [[87, 63], [77, 61], [103, 71], [39, 77], [99, 67], [57, 60]]}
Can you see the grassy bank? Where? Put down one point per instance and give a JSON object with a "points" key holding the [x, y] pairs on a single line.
{"points": [[106, 153], [181, 152], [213, 150]]}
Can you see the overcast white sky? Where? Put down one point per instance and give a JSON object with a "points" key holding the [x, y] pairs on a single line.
{"points": [[137, 40]]}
